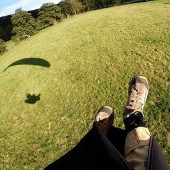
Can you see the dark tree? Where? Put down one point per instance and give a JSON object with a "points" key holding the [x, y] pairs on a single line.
{"points": [[66, 8], [89, 4], [48, 14], [8, 30], [97, 4], [3, 35], [23, 25], [2, 47], [76, 5]]}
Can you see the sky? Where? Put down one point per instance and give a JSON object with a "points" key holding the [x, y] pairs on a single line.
{"points": [[8, 7]]}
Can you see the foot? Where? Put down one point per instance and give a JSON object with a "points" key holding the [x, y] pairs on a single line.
{"points": [[133, 114], [104, 119]]}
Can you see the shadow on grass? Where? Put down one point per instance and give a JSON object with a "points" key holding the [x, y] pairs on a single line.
{"points": [[30, 61], [32, 98]]}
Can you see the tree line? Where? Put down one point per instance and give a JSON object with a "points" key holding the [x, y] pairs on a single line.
{"points": [[24, 24]]}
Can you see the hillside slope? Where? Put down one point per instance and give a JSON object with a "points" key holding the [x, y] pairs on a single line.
{"points": [[53, 83]]}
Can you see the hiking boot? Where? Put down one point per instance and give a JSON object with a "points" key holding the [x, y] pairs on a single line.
{"points": [[133, 114], [104, 119]]}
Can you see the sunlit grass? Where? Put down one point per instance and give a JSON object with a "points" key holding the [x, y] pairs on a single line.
{"points": [[9, 44], [93, 57]]}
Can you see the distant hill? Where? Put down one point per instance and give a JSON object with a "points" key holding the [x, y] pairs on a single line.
{"points": [[5, 20]]}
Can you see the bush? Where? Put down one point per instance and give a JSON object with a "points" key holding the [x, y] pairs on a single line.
{"points": [[23, 25], [2, 47], [48, 14]]}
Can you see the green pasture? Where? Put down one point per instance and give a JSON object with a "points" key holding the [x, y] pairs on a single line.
{"points": [[52, 84]]}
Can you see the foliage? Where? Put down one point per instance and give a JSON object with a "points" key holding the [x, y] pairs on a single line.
{"points": [[2, 46], [76, 5], [3, 35], [89, 4], [48, 14], [97, 4], [23, 25], [71, 7], [66, 8], [117, 2], [8, 30]]}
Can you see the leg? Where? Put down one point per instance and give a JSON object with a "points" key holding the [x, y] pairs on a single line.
{"points": [[138, 138], [104, 119], [95, 151], [137, 147]]}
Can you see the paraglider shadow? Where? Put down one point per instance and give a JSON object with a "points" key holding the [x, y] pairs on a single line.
{"points": [[32, 98], [30, 61]]}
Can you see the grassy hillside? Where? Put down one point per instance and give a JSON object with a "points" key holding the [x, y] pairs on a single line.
{"points": [[77, 66]]}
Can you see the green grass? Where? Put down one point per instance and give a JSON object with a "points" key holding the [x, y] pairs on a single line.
{"points": [[9, 45], [93, 56]]}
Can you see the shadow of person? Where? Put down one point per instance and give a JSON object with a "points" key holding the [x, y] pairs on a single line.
{"points": [[30, 61], [32, 98]]}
